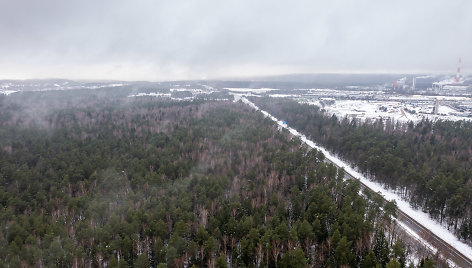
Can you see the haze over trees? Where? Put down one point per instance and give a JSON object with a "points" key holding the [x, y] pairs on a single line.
{"points": [[149, 182], [430, 163]]}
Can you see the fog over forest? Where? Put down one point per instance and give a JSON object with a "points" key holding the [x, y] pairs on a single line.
{"points": [[205, 133]]}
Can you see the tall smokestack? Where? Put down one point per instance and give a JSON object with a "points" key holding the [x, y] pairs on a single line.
{"points": [[395, 85], [458, 75]]}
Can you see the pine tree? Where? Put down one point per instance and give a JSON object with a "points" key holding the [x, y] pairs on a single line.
{"points": [[381, 249]]}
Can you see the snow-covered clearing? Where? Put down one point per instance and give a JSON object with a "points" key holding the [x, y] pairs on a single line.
{"points": [[364, 109], [8, 92], [281, 95], [152, 94], [398, 110], [253, 90], [403, 205]]}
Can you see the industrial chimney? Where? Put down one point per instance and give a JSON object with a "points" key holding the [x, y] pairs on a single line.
{"points": [[458, 75]]}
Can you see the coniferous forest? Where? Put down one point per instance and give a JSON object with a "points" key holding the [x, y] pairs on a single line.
{"points": [[94, 181], [429, 163]]}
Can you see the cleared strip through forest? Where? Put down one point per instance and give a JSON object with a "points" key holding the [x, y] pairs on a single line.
{"points": [[456, 255], [422, 233]]}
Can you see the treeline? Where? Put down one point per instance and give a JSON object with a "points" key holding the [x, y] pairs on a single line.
{"points": [[145, 183], [430, 163]]}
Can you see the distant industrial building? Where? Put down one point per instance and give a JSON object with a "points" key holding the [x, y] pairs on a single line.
{"points": [[457, 84]]}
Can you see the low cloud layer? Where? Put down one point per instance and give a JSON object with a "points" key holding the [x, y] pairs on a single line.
{"points": [[195, 39]]}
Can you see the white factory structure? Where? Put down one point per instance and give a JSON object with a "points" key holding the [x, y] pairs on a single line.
{"points": [[456, 84]]}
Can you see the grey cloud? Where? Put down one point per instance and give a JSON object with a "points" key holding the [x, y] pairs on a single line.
{"points": [[186, 39]]}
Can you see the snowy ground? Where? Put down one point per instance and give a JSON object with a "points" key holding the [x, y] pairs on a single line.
{"points": [[248, 90], [194, 90], [374, 104], [7, 92], [364, 109], [427, 245], [152, 94], [394, 109], [160, 95], [403, 205]]}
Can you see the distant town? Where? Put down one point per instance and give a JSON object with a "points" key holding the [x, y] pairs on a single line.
{"points": [[399, 98]]}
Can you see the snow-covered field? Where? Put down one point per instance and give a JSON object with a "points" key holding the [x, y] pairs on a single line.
{"points": [[248, 90], [403, 205], [397, 110], [364, 109], [7, 92], [152, 94], [374, 104], [193, 90], [53, 85]]}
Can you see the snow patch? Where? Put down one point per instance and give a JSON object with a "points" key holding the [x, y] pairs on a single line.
{"points": [[253, 90], [282, 95], [396, 108], [152, 94], [8, 92]]}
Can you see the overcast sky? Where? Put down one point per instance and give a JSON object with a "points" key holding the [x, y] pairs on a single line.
{"points": [[203, 39]]}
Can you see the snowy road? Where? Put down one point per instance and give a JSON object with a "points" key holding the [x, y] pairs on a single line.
{"points": [[446, 250], [434, 243], [421, 226]]}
